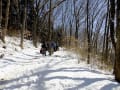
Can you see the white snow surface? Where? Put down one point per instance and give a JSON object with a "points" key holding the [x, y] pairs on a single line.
{"points": [[27, 69]]}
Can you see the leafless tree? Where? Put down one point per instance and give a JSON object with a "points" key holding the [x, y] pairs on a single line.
{"points": [[0, 12], [6, 20], [23, 23], [117, 61]]}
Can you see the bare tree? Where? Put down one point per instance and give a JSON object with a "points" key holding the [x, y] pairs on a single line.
{"points": [[6, 20], [117, 60], [35, 28], [23, 23], [106, 33], [76, 15], [70, 33], [39, 6], [0, 18], [112, 17], [88, 31], [50, 12]]}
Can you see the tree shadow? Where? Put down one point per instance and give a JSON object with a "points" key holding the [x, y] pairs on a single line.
{"points": [[39, 73], [111, 86], [42, 74], [41, 79], [6, 61]]}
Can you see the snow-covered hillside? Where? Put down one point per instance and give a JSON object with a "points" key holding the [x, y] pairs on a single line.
{"points": [[28, 70]]}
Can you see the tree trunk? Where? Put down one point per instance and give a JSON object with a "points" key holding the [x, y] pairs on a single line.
{"points": [[76, 15], [112, 16], [0, 19], [23, 23], [106, 32], [0, 13], [49, 23], [35, 29], [50, 20], [106, 47], [117, 58], [88, 33], [6, 20], [70, 33]]}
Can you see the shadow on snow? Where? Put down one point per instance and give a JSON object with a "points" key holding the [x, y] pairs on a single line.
{"points": [[41, 74]]}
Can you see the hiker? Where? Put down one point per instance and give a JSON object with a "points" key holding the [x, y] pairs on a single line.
{"points": [[53, 46], [43, 48], [57, 46]]}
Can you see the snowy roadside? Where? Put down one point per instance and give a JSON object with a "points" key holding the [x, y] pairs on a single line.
{"points": [[28, 70]]}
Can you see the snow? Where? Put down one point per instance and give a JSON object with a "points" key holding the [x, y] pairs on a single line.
{"points": [[28, 70]]}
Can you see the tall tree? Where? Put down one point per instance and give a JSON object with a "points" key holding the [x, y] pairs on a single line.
{"points": [[76, 15], [88, 31], [117, 60], [70, 32], [106, 33], [34, 27], [23, 23], [112, 17], [49, 23], [0, 17], [36, 12], [6, 20], [50, 3]]}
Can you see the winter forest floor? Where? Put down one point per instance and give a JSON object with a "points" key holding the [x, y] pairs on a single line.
{"points": [[28, 70]]}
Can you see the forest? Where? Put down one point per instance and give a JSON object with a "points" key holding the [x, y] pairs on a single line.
{"points": [[89, 27]]}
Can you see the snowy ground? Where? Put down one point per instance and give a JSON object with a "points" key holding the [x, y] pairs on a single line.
{"points": [[28, 70]]}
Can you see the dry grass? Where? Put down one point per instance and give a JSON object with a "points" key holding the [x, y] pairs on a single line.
{"points": [[13, 32], [96, 60]]}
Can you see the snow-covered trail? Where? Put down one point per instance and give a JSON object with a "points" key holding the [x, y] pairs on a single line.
{"points": [[28, 70]]}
